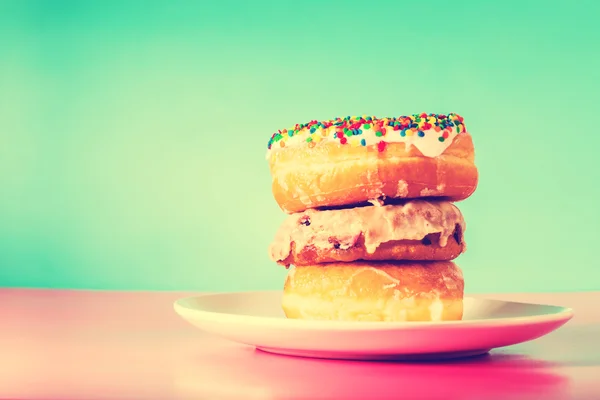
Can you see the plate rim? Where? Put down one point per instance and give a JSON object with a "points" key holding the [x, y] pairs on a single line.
{"points": [[564, 314]]}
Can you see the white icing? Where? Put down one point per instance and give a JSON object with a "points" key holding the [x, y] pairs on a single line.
{"points": [[429, 145], [330, 228]]}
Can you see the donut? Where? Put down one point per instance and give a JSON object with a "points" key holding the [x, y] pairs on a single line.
{"points": [[375, 291], [413, 230], [353, 160]]}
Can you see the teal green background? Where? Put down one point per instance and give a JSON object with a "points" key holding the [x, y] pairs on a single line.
{"points": [[133, 134]]}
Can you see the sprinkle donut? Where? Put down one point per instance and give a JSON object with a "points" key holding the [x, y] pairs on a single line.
{"points": [[356, 160]]}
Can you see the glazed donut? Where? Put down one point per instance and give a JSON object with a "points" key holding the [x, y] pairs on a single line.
{"points": [[358, 159], [414, 230], [375, 291]]}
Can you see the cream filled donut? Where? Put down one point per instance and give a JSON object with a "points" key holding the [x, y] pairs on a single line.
{"points": [[352, 160], [414, 230], [375, 291]]}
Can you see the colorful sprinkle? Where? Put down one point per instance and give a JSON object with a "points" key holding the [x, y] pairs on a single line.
{"points": [[350, 127]]}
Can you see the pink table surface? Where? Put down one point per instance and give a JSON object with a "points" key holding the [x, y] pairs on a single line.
{"points": [[114, 345]]}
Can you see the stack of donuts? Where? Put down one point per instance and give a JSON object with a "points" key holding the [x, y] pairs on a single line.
{"points": [[372, 229]]}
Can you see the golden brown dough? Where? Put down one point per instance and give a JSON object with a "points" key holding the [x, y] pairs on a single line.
{"points": [[427, 249], [375, 291], [333, 175]]}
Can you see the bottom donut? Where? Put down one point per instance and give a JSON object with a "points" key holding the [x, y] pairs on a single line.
{"points": [[375, 291]]}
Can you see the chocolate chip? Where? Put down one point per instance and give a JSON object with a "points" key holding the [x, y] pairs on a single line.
{"points": [[457, 235], [426, 241], [305, 220], [335, 242]]}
